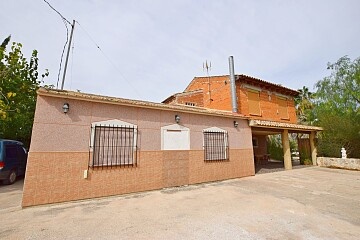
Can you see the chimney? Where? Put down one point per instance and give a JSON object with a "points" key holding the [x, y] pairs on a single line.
{"points": [[232, 85]]}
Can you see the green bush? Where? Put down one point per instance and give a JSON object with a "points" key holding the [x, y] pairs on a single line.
{"points": [[274, 147], [307, 161]]}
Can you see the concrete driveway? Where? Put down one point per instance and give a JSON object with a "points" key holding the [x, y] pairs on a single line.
{"points": [[10, 196], [308, 203]]}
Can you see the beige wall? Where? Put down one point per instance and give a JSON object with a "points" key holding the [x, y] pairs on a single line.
{"points": [[59, 152]]}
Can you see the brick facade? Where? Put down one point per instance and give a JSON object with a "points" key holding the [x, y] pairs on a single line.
{"points": [[217, 95], [261, 148], [195, 98]]}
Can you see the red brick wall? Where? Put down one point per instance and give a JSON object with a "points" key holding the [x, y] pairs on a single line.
{"points": [[220, 96], [216, 95], [261, 149], [268, 105], [194, 97]]}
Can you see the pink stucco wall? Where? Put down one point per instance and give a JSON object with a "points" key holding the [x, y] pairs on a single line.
{"points": [[59, 152], [55, 131]]}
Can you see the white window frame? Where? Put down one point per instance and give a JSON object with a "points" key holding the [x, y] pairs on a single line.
{"points": [[225, 146], [113, 123]]}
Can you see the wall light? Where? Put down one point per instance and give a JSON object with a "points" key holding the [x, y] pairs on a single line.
{"points": [[236, 124], [66, 108], [177, 118]]}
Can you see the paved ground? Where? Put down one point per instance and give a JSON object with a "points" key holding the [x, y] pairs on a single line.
{"points": [[276, 166], [307, 203], [10, 196]]}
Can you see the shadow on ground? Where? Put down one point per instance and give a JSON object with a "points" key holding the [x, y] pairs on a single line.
{"points": [[276, 166]]}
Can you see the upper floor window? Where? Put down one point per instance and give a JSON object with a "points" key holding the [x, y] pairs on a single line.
{"points": [[113, 143], [283, 108], [190, 103], [254, 102]]}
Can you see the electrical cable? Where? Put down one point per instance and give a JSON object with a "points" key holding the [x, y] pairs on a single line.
{"points": [[108, 59], [97, 46], [62, 54], [58, 12], [65, 21]]}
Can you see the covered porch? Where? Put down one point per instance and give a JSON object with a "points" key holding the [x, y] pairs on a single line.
{"points": [[261, 129]]}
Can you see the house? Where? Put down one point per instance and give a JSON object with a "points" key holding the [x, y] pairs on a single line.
{"points": [[269, 107], [86, 146]]}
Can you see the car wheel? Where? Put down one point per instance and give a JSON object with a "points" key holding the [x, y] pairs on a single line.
{"points": [[12, 178]]}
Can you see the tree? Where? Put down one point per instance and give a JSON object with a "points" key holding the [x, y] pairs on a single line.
{"points": [[338, 108], [18, 84], [304, 105]]}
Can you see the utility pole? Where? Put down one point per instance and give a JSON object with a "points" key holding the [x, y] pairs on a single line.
{"points": [[67, 55]]}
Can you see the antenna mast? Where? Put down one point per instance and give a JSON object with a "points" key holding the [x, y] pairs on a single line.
{"points": [[207, 68], [67, 55]]}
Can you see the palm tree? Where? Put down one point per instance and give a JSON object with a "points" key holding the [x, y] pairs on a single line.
{"points": [[304, 104]]}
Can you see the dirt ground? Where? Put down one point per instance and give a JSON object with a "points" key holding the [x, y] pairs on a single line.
{"points": [[307, 203]]}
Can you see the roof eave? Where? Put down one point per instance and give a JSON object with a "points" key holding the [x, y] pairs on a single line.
{"points": [[136, 103], [281, 125]]}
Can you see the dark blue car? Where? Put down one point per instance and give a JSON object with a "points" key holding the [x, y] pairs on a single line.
{"points": [[13, 158]]}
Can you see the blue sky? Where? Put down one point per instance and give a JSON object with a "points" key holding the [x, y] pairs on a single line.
{"points": [[153, 48]]}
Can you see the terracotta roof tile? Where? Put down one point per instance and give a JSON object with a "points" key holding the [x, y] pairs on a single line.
{"points": [[135, 103], [273, 124], [243, 76]]}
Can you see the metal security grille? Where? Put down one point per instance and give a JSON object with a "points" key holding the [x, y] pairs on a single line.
{"points": [[216, 146], [114, 146]]}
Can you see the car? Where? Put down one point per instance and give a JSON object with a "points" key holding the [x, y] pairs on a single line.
{"points": [[13, 159]]}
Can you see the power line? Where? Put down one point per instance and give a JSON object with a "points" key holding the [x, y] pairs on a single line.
{"points": [[108, 59], [97, 46], [65, 21], [62, 54], [57, 12]]}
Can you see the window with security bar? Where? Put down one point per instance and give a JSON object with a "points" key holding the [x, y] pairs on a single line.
{"points": [[114, 146], [216, 146]]}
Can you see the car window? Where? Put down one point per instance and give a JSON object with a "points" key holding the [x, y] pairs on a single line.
{"points": [[21, 151], [10, 151]]}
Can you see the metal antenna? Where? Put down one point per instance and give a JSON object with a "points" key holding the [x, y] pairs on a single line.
{"points": [[207, 68], [67, 55]]}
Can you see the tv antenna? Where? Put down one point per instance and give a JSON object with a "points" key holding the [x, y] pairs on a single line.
{"points": [[207, 68]]}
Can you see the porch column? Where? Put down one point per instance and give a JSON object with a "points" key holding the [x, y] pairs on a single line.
{"points": [[313, 147], [286, 148]]}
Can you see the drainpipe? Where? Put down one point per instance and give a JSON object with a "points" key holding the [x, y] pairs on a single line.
{"points": [[232, 85]]}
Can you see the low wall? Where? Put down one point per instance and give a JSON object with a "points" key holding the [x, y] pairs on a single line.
{"points": [[347, 163]]}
